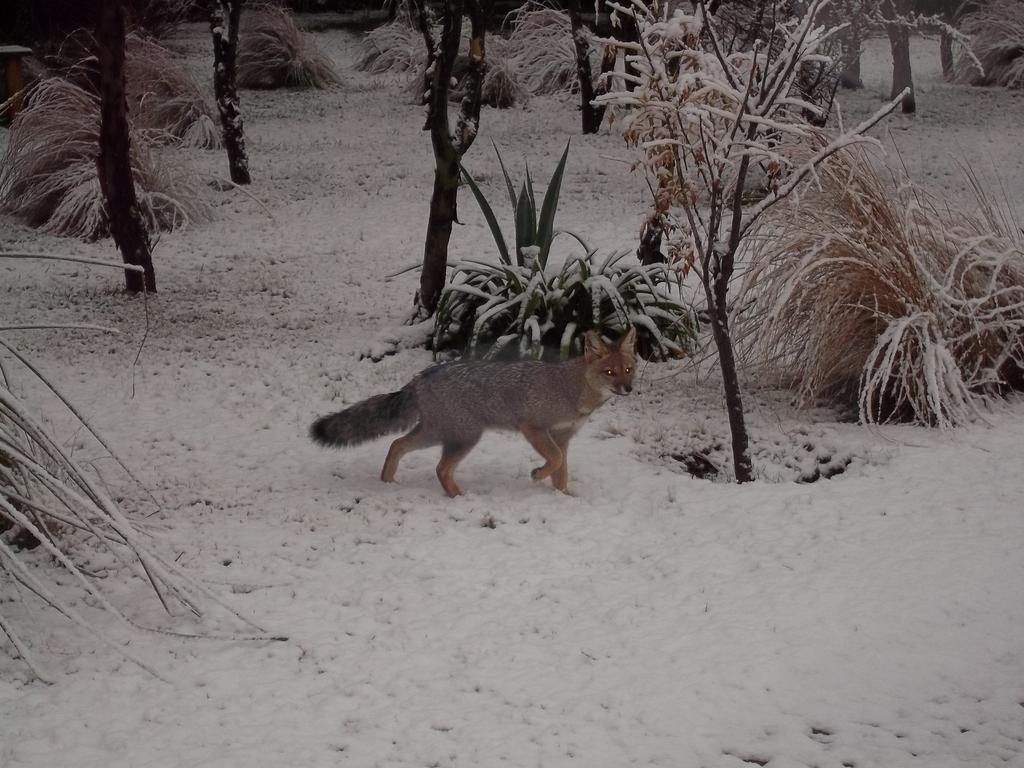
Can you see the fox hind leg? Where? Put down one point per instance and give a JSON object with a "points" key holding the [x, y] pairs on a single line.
{"points": [[412, 441], [545, 445], [452, 452]]}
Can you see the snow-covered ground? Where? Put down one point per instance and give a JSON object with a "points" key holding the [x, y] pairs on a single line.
{"points": [[872, 619]]}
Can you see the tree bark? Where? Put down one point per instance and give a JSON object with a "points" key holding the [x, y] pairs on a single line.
{"points": [[719, 315], [854, 42], [899, 40], [224, 19], [946, 54], [448, 148], [127, 225], [592, 116]]}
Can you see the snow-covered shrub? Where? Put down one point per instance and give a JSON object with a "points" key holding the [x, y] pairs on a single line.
{"points": [[540, 49], [274, 53], [878, 296], [164, 100], [996, 31], [520, 302], [49, 178]]}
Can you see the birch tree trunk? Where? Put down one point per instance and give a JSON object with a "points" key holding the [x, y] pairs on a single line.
{"points": [[127, 225], [224, 18]]}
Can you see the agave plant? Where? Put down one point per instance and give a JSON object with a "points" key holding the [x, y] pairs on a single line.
{"points": [[487, 309], [534, 232]]}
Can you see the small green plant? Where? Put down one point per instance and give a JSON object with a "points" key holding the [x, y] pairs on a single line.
{"points": [[487, 309]]}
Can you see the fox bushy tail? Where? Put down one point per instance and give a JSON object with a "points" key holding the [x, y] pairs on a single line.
{"points": [[375, 417]]}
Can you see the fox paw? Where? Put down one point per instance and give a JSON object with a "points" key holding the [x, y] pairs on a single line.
{"points": [[535, 473]]}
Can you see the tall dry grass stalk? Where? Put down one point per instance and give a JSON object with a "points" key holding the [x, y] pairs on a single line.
{"points": [[164, 100], [996, 31], [274, 53], [48, 174], [878, 296]]}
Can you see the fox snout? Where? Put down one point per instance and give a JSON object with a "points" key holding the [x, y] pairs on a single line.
{"points": [[623, 389]]}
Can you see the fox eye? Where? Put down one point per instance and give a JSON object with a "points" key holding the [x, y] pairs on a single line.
{"points": [[628, 370], [610, 372]]}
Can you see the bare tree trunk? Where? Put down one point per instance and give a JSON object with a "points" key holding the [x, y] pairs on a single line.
{"points": [[127, 225], [717, 267], [592, 115], [448, 148], [224, 18], [946, 54], [899, 40], [853, 43], [719, 314]]}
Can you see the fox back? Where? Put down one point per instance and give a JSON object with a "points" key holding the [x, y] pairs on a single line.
{"points": [[464, 399]]}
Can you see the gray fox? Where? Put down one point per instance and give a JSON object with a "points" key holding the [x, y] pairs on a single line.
{"points": [[452, 404]]}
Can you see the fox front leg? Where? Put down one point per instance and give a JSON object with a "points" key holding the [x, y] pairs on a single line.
{"points": [[545, 445]]}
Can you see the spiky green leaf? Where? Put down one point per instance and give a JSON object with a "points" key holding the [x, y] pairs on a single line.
{"points": [[546, 222]]}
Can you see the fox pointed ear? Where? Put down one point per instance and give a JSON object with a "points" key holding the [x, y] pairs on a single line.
{"points": [[593, 346], [628, 342]]}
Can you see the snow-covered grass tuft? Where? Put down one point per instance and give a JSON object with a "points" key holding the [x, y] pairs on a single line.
{"points": [[537, 57], [50, 502], [877, 296], [164, 100], [394, 49], [996, 31], [49, 178], [274, 53], [502, 87], [540, 49]]}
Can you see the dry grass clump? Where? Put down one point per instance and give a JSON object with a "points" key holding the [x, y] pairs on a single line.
{"points": [[164, 100], [536, 58], [996, 31], [540, 49], [48, 174], [878, 296], [394, 49], [501, 86], [274, 53]]}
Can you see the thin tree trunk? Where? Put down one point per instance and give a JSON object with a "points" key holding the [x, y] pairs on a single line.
{"points": [[946, 54], [899, 40], [717, 270], [448, 149], [443, 211], [127, 225], [740, 439], [851, 77], [224, 19], [592, 116]]}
